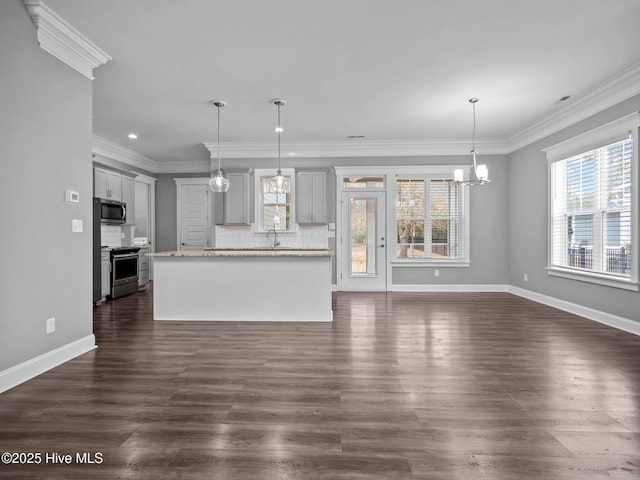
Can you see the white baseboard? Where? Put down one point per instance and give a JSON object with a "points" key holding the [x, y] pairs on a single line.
{"points": [[599, 316], [24, 371], [449, 288]]}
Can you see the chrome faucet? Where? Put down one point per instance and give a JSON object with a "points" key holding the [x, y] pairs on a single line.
{"points": [[275, 237]]}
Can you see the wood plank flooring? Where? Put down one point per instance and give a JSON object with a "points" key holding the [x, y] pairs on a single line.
{"points": [[399, 386]]}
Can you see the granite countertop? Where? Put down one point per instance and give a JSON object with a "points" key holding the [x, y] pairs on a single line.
{"points": [[247, 252]]}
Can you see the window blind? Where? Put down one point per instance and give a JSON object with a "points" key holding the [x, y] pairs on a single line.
{"points": [[429, 219], [591, 222]]}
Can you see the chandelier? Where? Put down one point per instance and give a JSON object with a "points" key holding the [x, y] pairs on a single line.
{"points": [[478, 174]]}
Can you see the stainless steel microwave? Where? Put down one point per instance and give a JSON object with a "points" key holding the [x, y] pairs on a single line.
{"points": [[112, 212]]}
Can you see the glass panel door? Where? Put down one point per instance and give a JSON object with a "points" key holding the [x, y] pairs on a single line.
{"points": [[363, 241]]}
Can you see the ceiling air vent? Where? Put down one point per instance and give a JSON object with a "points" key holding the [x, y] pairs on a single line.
{"points": [[354, 137]]}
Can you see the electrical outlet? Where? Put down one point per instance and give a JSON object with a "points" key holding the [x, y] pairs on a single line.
{"points": [[76, 225], [51, 325], [436, 273], [526, 277]]}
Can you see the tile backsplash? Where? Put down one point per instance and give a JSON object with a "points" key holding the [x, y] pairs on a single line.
{"points": [[111, 235], [240, 237], [116, 235]]}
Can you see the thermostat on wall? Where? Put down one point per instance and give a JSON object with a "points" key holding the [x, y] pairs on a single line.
{"points": [[73, 197]]}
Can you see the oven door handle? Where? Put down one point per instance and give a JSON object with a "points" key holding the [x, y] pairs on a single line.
{"points": [[125, 255]]}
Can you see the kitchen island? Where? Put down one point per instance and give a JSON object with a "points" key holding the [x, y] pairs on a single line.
{"points": [[243, 284]]}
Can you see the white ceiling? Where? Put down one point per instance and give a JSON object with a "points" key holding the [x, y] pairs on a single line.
{"points": [[391, 70]]}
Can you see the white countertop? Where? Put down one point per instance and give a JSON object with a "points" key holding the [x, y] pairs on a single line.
{"points": [[248, 252]]}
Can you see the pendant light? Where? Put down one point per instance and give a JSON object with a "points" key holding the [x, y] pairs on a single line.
{"points": [[218, 183], [478, 174], [279, 183]]}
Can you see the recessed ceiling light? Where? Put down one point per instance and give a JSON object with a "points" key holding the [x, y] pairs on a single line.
{"points": [[132, 136]]}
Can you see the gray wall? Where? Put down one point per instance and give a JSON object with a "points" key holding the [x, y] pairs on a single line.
{"points": [[528, 200], [489, 235], [166, 213], [45, 148], [488, 206]]}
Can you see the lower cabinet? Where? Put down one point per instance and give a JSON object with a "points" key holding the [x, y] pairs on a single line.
{"points": [[143, 268], [105, 273]]}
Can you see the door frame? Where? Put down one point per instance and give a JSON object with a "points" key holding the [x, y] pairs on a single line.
{"points": [[180, 182], [151, 236], [341, 229]]}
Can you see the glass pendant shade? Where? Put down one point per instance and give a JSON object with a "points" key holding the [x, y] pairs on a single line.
{"points": [[219, 184], [483, 173], [279, 183]]}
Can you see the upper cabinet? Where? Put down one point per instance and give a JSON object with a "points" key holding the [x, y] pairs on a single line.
{"points": [[311, 198], [236, 205], [107, 184], [116, 186]]}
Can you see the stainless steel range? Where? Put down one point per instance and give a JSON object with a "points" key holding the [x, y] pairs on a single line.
{"points": [[124, 271]]}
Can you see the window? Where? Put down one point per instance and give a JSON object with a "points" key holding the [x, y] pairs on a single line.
{"points": [[275, 209], [353, 182], [592, 224], [429, 219]]}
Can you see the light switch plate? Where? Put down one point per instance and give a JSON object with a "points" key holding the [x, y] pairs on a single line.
{"points": [[76, 225]]}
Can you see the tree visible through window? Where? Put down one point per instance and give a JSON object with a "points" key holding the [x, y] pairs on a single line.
{"points": [[428, 219]]}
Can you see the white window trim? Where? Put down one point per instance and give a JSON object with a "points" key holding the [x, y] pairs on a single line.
{"points": [[259, 173], [598, 137], [426, 173]]}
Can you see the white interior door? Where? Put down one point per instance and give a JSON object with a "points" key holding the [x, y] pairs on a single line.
{"points": [[193, 217], [363, 264]]}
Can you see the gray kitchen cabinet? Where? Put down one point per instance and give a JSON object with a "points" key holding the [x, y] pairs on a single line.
{"points": [[143, 267], [105, 273], [311, 198], [235, 207], [128, 197], [107, 184]]}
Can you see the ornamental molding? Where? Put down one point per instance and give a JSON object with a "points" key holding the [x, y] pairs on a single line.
{"points": [[63, 41], [610, 93], [110, 150], [357, 148]]}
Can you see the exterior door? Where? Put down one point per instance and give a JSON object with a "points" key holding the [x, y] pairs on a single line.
{"points": [[363, 241], [193, 216]]}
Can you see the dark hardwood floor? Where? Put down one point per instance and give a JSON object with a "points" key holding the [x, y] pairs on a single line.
{"points": [[399, 386]]}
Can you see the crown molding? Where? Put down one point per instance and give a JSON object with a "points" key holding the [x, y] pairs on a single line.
{"points": [[63, 41], [608, 94], [188, 166], [357, 148], [108, 149], [613, 91]]}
